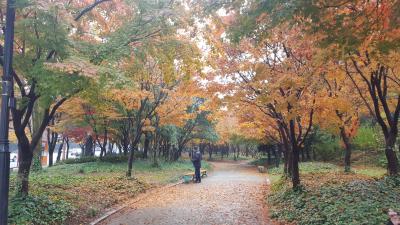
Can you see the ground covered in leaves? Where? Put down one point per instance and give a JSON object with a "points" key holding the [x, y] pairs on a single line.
{"points": [[77, 193], [232, 194], [330, 196]]}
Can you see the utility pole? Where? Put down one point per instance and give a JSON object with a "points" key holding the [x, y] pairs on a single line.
{"points": [[7, 101]]}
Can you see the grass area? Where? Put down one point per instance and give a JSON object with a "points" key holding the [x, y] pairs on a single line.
{"points": [[309, 167], [86, 189], [330, 196]]}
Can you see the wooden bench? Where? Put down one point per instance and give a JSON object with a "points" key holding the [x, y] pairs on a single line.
{"points": [[262, 169], [203, 173]]}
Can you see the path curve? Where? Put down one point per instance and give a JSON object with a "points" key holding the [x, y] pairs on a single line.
{"points": [[233, 194]]}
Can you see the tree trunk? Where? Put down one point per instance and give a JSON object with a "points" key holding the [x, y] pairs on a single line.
{"points": [[393, 163], [178, 152], [25, 156], [314, 154], [51, 159], [51, 141], [110, 148], [303, 157], [269, 156], [88, 147], [67, 143], [277, 154], [25, 146], [295, 155], [103, 147], [60, 150], [156, 147], [131, 154], [37, 153], [130, 163], [290, 162], [146, 144], [119, 147], [210, 151], [125, 150], [308, 155], [347, 148], [234, 151], [295, 167]]}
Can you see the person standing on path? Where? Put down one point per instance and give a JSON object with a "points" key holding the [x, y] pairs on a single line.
{"points": [[196, 160]]}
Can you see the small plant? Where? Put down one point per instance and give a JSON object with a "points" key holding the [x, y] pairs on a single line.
{"points": [[84, 159], [38, 210], [92, 212], [81, 170], [115, 158]]}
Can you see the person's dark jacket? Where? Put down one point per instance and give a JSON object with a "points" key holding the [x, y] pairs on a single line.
{"points": [[196, 159]]}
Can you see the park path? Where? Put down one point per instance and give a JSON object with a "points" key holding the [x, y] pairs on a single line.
{"points": [[232, 194]]}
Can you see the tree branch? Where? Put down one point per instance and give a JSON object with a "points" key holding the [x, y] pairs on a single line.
{"points": [[89, 8]]}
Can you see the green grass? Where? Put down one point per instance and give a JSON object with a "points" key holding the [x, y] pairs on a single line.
{"points": [[376, 172], [323, 167], [91, 187], [309, 167], [330, 196], [274, 178]]}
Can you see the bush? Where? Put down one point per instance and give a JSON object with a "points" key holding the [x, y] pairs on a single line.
{"points": [[115, 158], [356, 202], [84, 159], [107, 158], [38, 210], [326, 146], [259, 162], [368, 138]]}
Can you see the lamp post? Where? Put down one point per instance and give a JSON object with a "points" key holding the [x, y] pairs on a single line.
{"points": [[6, 102]]}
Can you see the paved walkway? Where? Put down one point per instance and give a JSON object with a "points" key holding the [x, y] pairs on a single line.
{"points": [[232, 194]]}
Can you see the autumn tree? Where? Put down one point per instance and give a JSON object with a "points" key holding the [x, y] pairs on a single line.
{"points": [[277, 75], [42, 38], [362, 37], [340, 109], [152, 73]]}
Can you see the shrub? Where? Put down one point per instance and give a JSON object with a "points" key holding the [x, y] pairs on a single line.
{"points": [[367, 138], [81, 170], [84, 159], [92, 212], [326, 146], [38, 210], [259, 162], [107, 158], [115, 158]]}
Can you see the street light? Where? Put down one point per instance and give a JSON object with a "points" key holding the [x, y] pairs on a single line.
{"points": [[6, 102]]}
